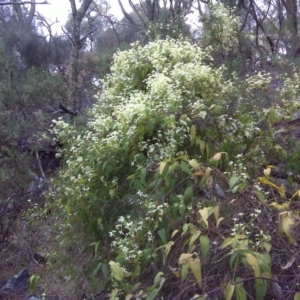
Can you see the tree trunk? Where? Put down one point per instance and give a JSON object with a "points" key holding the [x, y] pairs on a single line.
{"points": [[77, 44]]}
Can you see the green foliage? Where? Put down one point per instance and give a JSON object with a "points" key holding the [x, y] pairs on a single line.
{"points": [[169, 130]]}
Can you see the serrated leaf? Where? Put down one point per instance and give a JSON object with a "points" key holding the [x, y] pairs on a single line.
{"points": [[195, 265], [204, 244], [116, 271], [228, 292]]}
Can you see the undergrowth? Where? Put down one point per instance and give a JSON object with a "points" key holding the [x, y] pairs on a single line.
{"points": [[174, 187]]}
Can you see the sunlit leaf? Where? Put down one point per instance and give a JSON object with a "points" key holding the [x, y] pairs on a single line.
{"points": [[253, 262], [265, 180], [116, 271], [194, 164], [227, 242], [195, 265], [228, 292], [267, 172], [162, 166], [217, 156], [280, 207], [286, 223], [193, 238], [205, 214]]}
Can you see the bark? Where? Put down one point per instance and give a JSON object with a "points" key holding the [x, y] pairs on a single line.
{"points": [[77, 44]]}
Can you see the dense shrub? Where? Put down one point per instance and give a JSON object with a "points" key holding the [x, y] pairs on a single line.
{"points": [[169, 139]]}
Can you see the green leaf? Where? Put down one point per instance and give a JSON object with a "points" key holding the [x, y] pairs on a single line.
{"points": [[240, 293], [204, 244], [233, 180], [116, 271], [114, 294], [297, 296], [226, 243], [228, 292], [188, 195], [163, 236], [193, 239], [33, 281], [253, 262], [185, 168], [261, 289]]}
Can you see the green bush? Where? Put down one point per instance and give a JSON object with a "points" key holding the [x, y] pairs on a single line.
{"points": [[165, 123]]}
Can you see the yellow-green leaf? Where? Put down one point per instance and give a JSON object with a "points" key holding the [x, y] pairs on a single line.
{"points": [[253, 262], [168, 247], [162, 166], [193, 132], [217, 156], [204, 244], [202, 146], [193, 239], [113, 294], [205, 213], [228, 292], [184, 258], [195, 265], [219, 221], [116, 271], [297, 296], [265, 180], [174, 233], [226, 243], [286, 223], [267, 172], [217, 212], [280, 207], [240, 293], [194, 164]]}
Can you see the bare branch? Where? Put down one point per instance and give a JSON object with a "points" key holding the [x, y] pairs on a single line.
{"points": [[22, 3]]}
